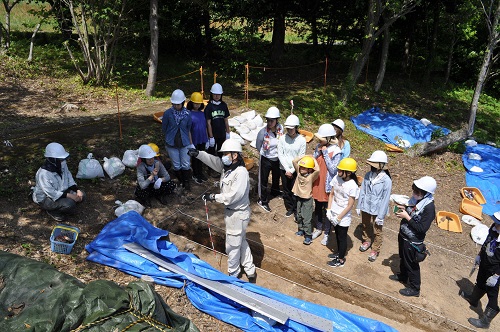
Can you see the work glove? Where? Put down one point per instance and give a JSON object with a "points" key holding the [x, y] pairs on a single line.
{"points": [[193, 153], [191, 146], [492, 281], [208, 197], [207, 145], [379, 221], [211, 142], [157, 184], [477, 261], [333, 219], [358, 212], [228, 135]]}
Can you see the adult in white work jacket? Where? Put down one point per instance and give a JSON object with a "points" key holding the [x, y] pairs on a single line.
{"points": [[234, 187]]}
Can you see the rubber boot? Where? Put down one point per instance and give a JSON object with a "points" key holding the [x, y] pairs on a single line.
{"points": [[186, 174], [485, 320], [474, 297], [179, 176]]}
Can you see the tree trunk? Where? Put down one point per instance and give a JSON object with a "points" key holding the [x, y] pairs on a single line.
{"points": [[153, 49], [30, 56], [481, 79], [429, 63], [208, 33], [314, 32], [438, 144], [383, 60], [450, 54], [279, 29], [63, 17]]}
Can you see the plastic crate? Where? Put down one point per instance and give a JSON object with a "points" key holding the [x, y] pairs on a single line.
{"points": [[65, 230]]}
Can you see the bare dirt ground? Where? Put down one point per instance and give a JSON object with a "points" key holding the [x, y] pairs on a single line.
{"points": [[32, 117]]}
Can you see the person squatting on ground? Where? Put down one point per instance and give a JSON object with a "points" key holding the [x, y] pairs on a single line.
{"points": [[176, 126], [216, 115], [267, 145], [55, 190], [198, 134], [416, 218], [373, 203], [487, 283], [345, 189], [153, 179], [327, 151], [307, 170], [290, 146], [234, 187]]}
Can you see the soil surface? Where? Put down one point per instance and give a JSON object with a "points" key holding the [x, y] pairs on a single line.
{"points": [[33, 116]]}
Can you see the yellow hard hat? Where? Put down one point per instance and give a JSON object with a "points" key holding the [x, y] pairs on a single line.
{"points": [[155, 148], [197, 98], [348, 164], [307, 162]]}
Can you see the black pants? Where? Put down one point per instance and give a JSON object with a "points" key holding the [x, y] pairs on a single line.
{"points": [[408, 267], [218, 144], [341, 235], [166, 188], [288, 196], [196, 164], [322, 222], [492, 292], [269, 166], [62, 206]]}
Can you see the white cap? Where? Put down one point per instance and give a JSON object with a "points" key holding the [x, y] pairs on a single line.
{"points": [[326, 130], [230, 145], [178, 97], [292, 121], [216, 89], [55, 150], [426, 183], [145, 151], [272, 113], [339, 123]]}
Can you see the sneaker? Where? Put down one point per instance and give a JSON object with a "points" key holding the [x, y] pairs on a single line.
{"points": [[325, 240], [265, 207], [365, 246], [333, 255], [409, 292], [336, 263], [197, 179], [300, 233], [397, 277], [307, 241], [289, 213], [373, 256], [56, 216], [316, 233]]}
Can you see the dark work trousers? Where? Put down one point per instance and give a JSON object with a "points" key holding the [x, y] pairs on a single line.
{"points": [[61, 206], [409, 269], [269, 166], [166, 188], [341, 236], [492, 292], [288, 196], [322, 222], [218, 144], [196, 164]]}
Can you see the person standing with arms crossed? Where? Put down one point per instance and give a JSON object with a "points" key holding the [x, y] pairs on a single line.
{"points": [[234, 194]]}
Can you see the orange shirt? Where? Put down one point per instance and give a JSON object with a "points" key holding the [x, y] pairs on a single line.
{"points": [[318, 191]]}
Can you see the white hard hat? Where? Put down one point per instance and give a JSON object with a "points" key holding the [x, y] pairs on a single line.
{"points": [[55, 150], [426, 183], [326, 130], [496, 217], [178, 97], [339, 123], [230, 145], [272, 113], [292, 121], [216, 89], [378, 159], [145, 151]]}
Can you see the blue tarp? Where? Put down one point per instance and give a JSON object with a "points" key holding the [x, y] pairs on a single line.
{"points": [[132, 227], [392, 128], [487, 181]]}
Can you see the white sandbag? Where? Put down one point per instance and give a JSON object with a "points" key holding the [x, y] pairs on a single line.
{"points": [[250, 124], [479, 233], [476, 169], [425, 122], [474, 156], [251, 136], [237, 137], [242, 129], [89, 168], [130, 158], [470, 142], [233, 123], [129, 205], [240, 119], [400, 199], [258, 120], [470, 220], [248, 115], [113, 166]]}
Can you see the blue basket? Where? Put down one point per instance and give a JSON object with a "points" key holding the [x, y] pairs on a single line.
{"points": [[65, 230]]}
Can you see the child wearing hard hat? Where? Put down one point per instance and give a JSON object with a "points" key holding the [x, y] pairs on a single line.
{"points": [[56, 191], [307, 170], [216, 115], [340, 202], [373, 202], [153, 179], [198, 134]]}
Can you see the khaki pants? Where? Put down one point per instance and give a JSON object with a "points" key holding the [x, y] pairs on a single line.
{"points": [[369, 228], [237, 249]]}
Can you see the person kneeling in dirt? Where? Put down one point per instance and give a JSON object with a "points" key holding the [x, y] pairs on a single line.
{"points": [[153, 179], [487, 283], [56, 191], [235, 186]]}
